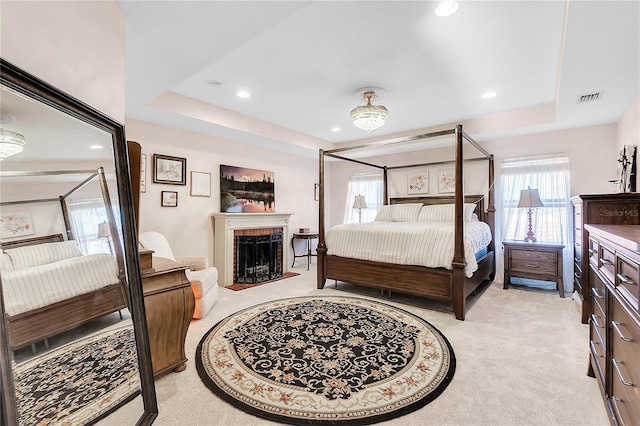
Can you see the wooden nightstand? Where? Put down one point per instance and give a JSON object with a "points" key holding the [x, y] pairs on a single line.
{"points": [[536, 261]]}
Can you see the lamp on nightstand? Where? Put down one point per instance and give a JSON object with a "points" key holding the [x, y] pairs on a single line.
{"points": [[104, 233], [530, 199], [359, 203]]}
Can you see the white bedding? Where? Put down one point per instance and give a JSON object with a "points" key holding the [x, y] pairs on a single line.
{"points": [[31, 288], [427, 244]]}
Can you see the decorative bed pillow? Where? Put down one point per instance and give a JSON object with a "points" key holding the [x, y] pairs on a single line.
{"points": [[399, 212], [445, 213], [5, 263], [41, 254]]}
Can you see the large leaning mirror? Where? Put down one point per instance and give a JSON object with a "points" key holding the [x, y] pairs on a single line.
{"points": [[73, 347]]}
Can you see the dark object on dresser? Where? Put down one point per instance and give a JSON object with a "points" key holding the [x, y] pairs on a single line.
{"points": [[604, 209], [169, 304], [536, 261], [614, 270]]}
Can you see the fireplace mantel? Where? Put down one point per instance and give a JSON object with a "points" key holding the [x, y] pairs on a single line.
{"points": [[224, 225]]}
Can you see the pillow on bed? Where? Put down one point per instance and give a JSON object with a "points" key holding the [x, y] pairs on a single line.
{"points": [[399, 212], [445, 213], [41, 254], [5, 263]]}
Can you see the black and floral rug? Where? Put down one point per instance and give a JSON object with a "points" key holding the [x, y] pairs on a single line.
{"points": [[80, 382], [326, 360]]}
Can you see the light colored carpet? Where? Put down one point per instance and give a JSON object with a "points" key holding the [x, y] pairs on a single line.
{"points": [[522, 359]]}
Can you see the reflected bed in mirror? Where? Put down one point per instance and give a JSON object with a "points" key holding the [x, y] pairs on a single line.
{"points": [[69, 277]]}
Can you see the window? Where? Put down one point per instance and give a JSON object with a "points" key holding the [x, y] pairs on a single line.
{"points": [[550, 176], [369, 185], [85, 216]]}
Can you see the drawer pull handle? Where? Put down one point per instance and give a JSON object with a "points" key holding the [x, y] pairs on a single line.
{"points": [[596, 293], [532, 266], [616, 364], [594, 321], [606, 262], [575, 259], [592, 251], [577, 275], [614, 401], [593, 349], [625, 280], [616, 327], [577, 229]]}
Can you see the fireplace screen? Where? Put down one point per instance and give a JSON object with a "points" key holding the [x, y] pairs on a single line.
{"points": [[258, 258]]}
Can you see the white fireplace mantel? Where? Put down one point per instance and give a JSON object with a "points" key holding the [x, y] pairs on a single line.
{"points": [[224, 225]]}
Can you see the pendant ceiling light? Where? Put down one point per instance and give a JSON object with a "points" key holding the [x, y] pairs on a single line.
{"points": [[11, 143], [369, 117]]}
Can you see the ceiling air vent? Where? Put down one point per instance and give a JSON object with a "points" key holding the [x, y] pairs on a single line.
{"points": [[590, 97]]}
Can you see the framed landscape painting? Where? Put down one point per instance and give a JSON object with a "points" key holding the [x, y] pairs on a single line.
{"points": [[244, 190], [168, 169]]}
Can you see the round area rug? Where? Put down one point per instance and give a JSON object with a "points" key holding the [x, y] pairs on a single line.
{"points": [[325, 360]]}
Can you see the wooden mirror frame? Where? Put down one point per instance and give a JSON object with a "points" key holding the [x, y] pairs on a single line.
{"points": [[32, 87]]}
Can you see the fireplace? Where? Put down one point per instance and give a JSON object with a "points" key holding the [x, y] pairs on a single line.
{"points": [[257, 255], [228, 226]]}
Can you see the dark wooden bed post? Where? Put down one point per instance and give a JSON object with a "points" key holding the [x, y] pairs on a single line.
{"points": [[115, 236], [321, 250], [491, 210], [385, 187], [458, 264]]}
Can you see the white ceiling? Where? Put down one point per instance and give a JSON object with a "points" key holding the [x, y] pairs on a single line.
{"points": [[302, 61]]}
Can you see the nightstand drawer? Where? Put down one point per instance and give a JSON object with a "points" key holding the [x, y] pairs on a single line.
{"points": [[535, 262]]}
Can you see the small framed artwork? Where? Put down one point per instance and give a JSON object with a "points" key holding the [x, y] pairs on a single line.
{"points": [[143, 173], [316, 192], [169, 199], [200, 184], [16, 224], [418, 183], [446, 180], [168, 169]]}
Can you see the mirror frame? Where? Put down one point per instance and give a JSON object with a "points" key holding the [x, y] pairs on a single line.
{"points": [[38, 90]]}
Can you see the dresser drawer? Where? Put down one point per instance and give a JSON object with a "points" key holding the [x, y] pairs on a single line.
{"points": [[534, 262], [627, 401], [597, 290], [607, 262], [627, 277], [625, 335], [593, 252]]}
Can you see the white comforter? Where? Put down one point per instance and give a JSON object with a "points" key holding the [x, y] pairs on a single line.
{"points": [[427, 244], [31, 288]]}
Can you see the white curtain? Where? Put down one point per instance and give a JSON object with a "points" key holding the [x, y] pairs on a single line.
{"points": [[367, 184], [549, 174], [85, 216]]}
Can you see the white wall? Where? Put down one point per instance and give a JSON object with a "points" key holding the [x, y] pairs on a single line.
{"points": [[188, 227]]}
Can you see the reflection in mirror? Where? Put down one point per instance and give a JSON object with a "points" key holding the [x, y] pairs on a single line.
{"points": [[66, 271]]}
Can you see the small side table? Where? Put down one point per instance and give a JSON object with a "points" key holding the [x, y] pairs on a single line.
{"points": [[309, 236], [537, 261]]}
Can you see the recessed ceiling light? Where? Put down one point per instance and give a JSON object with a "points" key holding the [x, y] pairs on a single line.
{"points": [[489, 94], [243, 94], [447, 8], [96, 146], [336, 129]]}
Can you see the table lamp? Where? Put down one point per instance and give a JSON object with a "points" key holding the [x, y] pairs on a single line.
{"points": [[359, 203], [104, 233], [530, 199]]}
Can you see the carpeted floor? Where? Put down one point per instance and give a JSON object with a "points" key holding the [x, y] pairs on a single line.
{"points": [[79, 382], [327, 360], [521, 359]]}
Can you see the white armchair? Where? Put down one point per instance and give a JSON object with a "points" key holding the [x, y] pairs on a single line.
{"points": [[203, 278]]}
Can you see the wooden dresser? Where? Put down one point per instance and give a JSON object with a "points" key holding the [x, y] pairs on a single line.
{"points": [[169, 304], [606, 209], [614, 331]]}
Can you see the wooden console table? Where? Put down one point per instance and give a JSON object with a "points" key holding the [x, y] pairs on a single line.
{"points": [[169, 304]]}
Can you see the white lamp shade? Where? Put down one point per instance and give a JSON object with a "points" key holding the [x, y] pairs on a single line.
{"points": [[359, 202], [529, 198], [103, 230]]}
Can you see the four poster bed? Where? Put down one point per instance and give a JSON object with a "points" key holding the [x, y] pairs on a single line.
{"points": [[377, 264], [48, 286]]}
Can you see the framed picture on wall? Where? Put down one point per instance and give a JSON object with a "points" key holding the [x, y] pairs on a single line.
{"points": [[16, 224], [446, 180], [168, 169], [200, 184], [418, 183], [169, 199]]}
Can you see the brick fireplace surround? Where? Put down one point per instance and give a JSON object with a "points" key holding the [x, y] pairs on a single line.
{"points": [[225, 226]]}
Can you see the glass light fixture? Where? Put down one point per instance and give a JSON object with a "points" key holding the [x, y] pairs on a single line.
{"points": [[11, 143], [369, 117], [447, 8]]}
